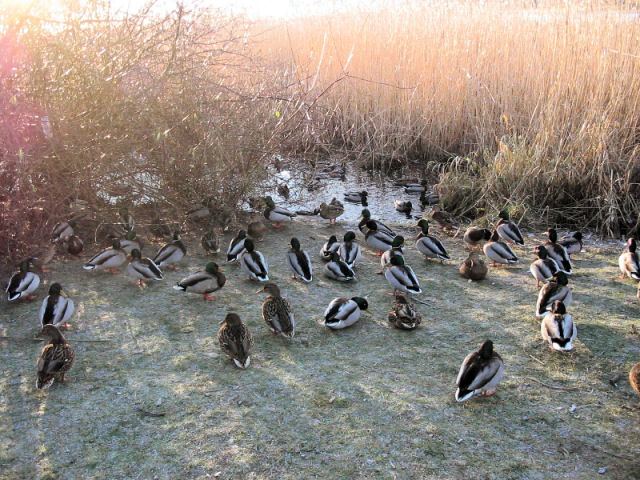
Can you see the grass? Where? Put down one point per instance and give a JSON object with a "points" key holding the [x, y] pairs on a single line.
{"points": [[365, 402]]}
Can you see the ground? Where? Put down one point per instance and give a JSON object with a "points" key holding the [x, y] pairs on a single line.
{"points": [[365, 402]]}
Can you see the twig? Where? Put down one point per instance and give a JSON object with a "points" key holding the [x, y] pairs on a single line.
{"points": [[150, 414], [39, 339], [553, 387], [421, 301], [537, 360], [602, 450]]}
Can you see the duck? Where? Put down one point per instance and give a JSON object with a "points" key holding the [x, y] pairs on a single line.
{"points": [[476, 236], [299, 262], [401, 276], [397, 248], [403, 315], [283, 190], [416, 187], [222, 216], [350, 251], [629, 261], [556, 289], [235, 340], [381, 227], [62, 230], [480, 373], [572, 242], [558, 252], [210, 242], [236, 247], [108, 259], [544, 267], [160, 228], [277, 215], [256, 230], [429, 198], [57, 308], [356, 197], [131, 243], [144, 269], [73, 244], [46, 255], [336, 269], [499, 251], [55, 359], [634, 379], [331, 246], [277, 312], [253, 262], [126, 219], [444, 218], [508, 230], [376, 239], [403, 206], [343, 312], [474, 267], [557, 328], [202, 212], [23, 283], [332, 210], [171, 253], [204, 282], [431, 247]]}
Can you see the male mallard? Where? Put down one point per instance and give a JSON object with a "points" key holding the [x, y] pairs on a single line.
{"points": [[416, 187], [377, 239], [629, 261], [131, 243], [144, 269], [403, 314], [356, 197], [342, 312], [350, 251], [73, 244], [558, 252], [544, 267], [476, 236], [236, 246], [55, 359], [558, 329], [235, 340], [403, 206], [299, 262], [336, 269], [429, 198], [23, 283], [397, 248], [474, 267], [202, 211], [381, 227], [57, 308], [276, 311], [253, 262], [444, 218], [332, 210], [277, 215], [108, 259], [401, 276], [210, 242], [331, 246], [508, 230], [634, 379], [428, 245], [480, 373], [62, 230], [171, 253], [204, 282], [126, 219], [556, 289], [256, 230], [572, 242], [499, 251]]}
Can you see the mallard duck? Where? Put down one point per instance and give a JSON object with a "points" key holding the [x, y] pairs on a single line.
{"points": [[253, 262], [235, 340], [476, 236], [558, 329], [202, 212], [356, 197], [381, 227], [403, 206], [159, 228], [429, 198], [283, 190], [336, 269], [236, 247], [277, 215], [171, 253], [73, 244], [572, 242], [377, 239], [629, 261], [108, 259], [444, 218], [23, 283], [556, 289], [299, 262], [499, 251], [62, 230], [131, 243], [508, 230], [474, 267], [210, 242], [401, 276], [544, 267], [397, 248], [46, 255], [57, 308], [431, 247], [144, 269], [126, 219], [403, 314], [256, 230], [416, 187], [342, 312], [480, 373], [331, 246], [276, 311], [332, 210], [558, 252], [55, 359], [350, 251], [634, 379], [204, 282], [222, 216]]}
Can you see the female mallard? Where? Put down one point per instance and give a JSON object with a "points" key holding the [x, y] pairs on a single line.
{"points": [[299, 262], [376, 239], [235, 340], [46, 255], [126, 219], [131, 243], [350, 251], [23, 283], [73, 244], [557, 328], [556, 289], [202, 211], [277, 215], [356, 197], [474, 267], [336, 269], [572, 242], [381, 227], [403, 314], [253, 262], [444, 218], [210, 242], [629, 261], [508, 230], [204, 282], [634, 379], [397, 248], [144, 269], [108, 259], [401, 276], [57, 308], [416, 187], [332, 210], [499, 251], [342, 312], [476, 236], [276, 312], [480, 373], [256, 230], [403, 206], [171, 253], [331, 246], [544, 267], [55, 359], [236, 247], [431, 247], [558, 252], [62, 230]]}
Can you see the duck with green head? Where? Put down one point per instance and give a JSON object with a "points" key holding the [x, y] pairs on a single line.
{"points": [[277, 215], [108, 259], [57, 308], [203, 282], [544, 267], [171, 253], [401, 276], [556, 289], [253, 263], [480, 373], [430, 246], [23, 283], [350, 251], [144, 269], [299, 262], [343, 312], [508, 230]]}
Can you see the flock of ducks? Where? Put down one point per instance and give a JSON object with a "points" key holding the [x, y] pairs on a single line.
{"points": [[480, 372]]}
